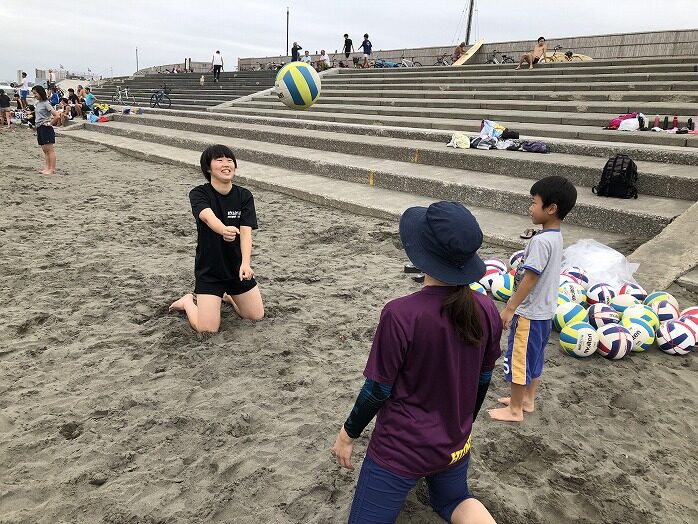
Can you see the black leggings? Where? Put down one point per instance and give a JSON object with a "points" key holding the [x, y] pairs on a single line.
{"points": [[217, 71]]}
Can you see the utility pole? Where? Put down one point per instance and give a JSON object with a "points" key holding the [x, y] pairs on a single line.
{"points": [[470, 22], [287, 18], [136, 59]]}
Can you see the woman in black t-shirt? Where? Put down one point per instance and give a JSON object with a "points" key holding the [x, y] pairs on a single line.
{"points": [[225, 217]]}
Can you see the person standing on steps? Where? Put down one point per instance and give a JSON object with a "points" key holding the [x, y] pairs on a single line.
{"points": [[366, 46], [348, 47], [294, 52], [217, 64]]}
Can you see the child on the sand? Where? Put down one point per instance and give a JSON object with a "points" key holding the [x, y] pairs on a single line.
{"points": [[427, 375], [531, 309], [44, 113], [225, 217]]}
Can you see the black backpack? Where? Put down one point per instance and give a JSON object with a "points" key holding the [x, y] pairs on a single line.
{"points": [[618, 178]]}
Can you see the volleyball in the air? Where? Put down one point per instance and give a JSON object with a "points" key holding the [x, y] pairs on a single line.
{"points": [[515, 259], [502, 286], [644, 312], [578, 274], [614, 341], [298, 85], [656, 296], [490, 273], [579, 339], [602, 315], [675, 338], [634, 290], [600, 294], [622, 302], [497, 263], [574, 291], [568, 313], [665, 310], [641, 331], [477, 287]]}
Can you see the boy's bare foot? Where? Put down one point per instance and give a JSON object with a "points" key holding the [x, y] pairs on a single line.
{"points": [[530, 67], [505, 415], [178, 305], [48, 172], [527, 407]]}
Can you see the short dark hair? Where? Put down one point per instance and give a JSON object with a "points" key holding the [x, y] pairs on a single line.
{"points": [[2, 91], [87, 89], [39, 90], [365, 35], [213, 152], [346, 35], [540, 38], [556, 190], [64, 100], [71, 90], [24, 74]]}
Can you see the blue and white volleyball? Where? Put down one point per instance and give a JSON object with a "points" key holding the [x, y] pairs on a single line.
{"points": [[502, 286], [515, 259], [568, 313], [675, 338], [579, 340], [602, 315], [614, 341], [690, 312], [298, 85], [574, 291], [496, 263], [622, 302], [665, 310], [634, 290], [656, 296], [644, 312], [691, 322], [641, 331], [490, 273], [580, 276], [600, 294]]}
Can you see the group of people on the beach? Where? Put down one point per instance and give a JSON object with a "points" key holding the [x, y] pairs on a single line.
{"points": [[433, 352], [324, 61]]}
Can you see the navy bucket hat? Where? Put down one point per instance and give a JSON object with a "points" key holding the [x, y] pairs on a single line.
{"points": [[442, 240]]}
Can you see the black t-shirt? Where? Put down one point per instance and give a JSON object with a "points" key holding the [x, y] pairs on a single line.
{"points": [[294, 53], [347, 45], [4, 100], [73, 99], [216, 259]]}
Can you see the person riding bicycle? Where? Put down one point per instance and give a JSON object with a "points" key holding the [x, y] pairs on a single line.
{"points": [[458, 51], [536, 55]]}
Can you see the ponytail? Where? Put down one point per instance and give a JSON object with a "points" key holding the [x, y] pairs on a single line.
{"points": [[463, 312]]}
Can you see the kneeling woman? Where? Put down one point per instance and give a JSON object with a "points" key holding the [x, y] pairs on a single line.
{"points": [[427, 375], [225, 217]]}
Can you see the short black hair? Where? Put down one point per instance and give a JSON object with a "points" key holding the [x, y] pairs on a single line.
{"points": [[213, 152], [24, 74], [556, 190], [346, 35], [39, 90], [540, 38], [71, 90], [365, 35]]}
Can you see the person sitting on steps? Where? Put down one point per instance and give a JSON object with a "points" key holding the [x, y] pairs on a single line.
{"points": [[458, 51], [536, 55]]}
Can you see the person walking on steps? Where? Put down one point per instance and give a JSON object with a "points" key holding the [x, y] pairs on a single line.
{"points": [[348, 47], [217, 64], [366, 46]]}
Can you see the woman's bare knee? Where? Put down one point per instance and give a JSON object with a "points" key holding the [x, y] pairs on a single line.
{"points": [[471, 511]]}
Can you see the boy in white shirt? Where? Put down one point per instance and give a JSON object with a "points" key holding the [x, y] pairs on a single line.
{"points": [[323, 62], [217, 63]]}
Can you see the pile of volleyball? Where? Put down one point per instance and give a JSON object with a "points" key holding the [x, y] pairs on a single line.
{"points": [[600, 318]]}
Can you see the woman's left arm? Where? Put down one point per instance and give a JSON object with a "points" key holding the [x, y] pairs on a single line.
{"points": [[246, 272]]}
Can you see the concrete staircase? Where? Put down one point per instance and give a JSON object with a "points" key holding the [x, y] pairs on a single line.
{"points": [[186, 90], [375, 142]]}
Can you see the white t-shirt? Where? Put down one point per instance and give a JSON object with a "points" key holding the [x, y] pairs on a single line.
{"points": [[52, 77], [25, 85], [326, 59], [217, 59], [306, 59]]}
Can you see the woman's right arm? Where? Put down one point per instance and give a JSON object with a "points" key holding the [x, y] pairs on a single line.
{"points": [[209, 218]]}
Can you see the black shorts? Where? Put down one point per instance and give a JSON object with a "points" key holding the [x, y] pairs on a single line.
{"points": [[346, 54], [536, 59], [232, 287], [45, 135]]}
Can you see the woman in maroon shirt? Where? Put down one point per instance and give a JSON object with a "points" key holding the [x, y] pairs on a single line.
{"points": [[427, 375]]}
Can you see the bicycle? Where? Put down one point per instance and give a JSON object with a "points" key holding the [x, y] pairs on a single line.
{"points": [[504, 60], [123, 97], [443, 60], [409, 63], [160, 98], [568, 56]]}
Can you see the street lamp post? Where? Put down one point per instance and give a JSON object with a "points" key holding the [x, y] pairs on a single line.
{"points": [[136, 59], [287, 17]]}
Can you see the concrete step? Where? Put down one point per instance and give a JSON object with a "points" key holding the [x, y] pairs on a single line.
{"points": [[603, 149], [498, 227], [640, 218], [357, 114], [673, 181]]}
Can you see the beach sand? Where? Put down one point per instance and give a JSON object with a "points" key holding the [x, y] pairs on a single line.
{"points": [[114, 411]]}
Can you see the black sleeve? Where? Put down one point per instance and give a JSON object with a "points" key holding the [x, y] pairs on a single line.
{"points": [[482, 387], [248, 215], [200, 200], [371, 398]]}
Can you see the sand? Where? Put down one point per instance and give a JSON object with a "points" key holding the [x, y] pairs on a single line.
{"points": [[114, 411]]}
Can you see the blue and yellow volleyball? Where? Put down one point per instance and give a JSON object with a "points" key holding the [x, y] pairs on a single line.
{"points": [[579, 340], [641, 331], [478, 288], [568, 313], [643, 312], [622, 302], [298, 85], [656, 296], [502, 286]]}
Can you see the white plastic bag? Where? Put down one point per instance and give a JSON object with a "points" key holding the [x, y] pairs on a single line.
{"points": [[602, 263], [459, 141], [631, 124]]}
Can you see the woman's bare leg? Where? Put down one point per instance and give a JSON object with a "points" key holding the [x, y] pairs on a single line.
{"points": [[204, 315], [471, 511], [248, 305], [50, 158]]}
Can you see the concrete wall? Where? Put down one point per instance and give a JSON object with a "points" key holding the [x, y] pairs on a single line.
{"points": [[198, 67], [623, 45]]}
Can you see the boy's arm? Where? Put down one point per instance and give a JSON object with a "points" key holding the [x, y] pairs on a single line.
{"points": [[246, 272], [525, 286], [209, 218]]}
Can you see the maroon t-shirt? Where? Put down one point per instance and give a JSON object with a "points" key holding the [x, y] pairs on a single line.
{"points": [[425, 425]]}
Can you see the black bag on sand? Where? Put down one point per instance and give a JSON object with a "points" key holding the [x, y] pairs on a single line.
{"points": [[619, 178]]}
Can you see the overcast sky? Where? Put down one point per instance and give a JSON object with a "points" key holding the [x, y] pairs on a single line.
{"points": [[103, 36]]}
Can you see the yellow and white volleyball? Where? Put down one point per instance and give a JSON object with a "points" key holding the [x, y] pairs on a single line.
{"points": [[641, 331], [562, 298], [646, 313], [502, 286], [478, 288], [579, 340], [568, 313], [656, 296], [574, 291], [622, 302], [298, 85]]}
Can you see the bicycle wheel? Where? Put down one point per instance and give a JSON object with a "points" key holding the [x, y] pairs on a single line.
{"points": [[576, 58], [164, 102], [153, 100], [491, 61], [509, 60], [416, 64], [115, 97], [131, 99]]}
